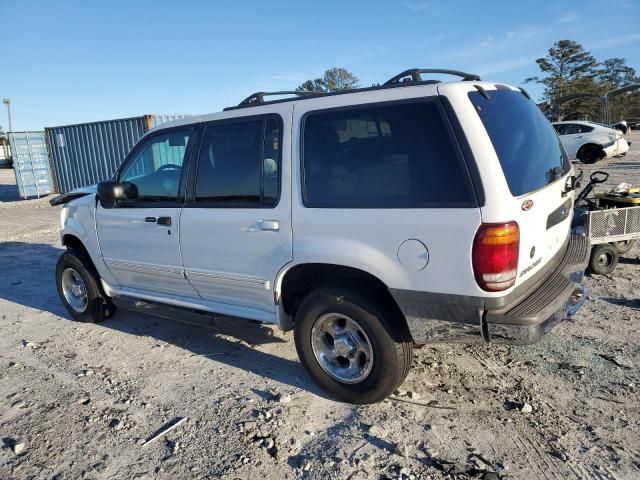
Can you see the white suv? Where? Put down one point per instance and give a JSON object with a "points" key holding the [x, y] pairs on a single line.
{"points": [[367, 221]]}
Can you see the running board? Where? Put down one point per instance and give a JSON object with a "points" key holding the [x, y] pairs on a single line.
{"points": [[184, 315]]}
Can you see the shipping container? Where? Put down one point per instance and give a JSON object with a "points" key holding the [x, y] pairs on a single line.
{"points": [[85, 154], [30, 164]]}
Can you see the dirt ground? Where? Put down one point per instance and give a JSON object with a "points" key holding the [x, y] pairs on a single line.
{"points": [[79, 400]]}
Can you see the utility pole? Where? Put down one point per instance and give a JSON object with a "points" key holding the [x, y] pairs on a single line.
{"points": [[7, 102]]}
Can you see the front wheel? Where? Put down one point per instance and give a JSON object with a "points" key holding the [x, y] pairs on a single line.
{"points": [[604, 259], [357, 350], [77, 283]]}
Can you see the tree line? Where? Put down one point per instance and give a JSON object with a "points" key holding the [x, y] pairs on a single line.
{"points": [[567, 68]]}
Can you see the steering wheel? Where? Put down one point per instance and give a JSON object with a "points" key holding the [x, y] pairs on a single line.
{"points": [[595, 179], [169, 166]]}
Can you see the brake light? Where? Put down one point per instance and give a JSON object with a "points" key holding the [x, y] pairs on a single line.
{"points": [[495, 255]]}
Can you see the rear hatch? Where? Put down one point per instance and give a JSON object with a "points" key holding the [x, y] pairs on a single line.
{"points": [[536, 170]]}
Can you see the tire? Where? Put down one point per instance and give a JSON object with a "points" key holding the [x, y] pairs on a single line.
{"points": [[604, 259], [624, 246], [382, 332], [590, 154], [90, 305]]}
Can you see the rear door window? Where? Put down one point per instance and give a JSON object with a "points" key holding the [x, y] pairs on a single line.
{"points": [[526, 144], [239, 164], [396, 155]]}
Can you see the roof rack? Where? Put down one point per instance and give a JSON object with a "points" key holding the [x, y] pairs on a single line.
{"points": [[258, 97], [408, 76], [414, 73]]}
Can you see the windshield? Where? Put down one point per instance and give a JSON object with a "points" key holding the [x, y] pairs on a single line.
{"points": [[526, 144]]}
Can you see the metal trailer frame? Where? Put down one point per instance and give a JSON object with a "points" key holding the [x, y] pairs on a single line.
{"points": [[613, 225]]}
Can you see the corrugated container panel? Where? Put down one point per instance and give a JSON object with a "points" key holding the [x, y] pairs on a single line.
{"points": [[30, 163], [88, 153]]}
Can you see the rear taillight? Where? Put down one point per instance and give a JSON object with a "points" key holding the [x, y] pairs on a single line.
{"points": [[495, 255]]}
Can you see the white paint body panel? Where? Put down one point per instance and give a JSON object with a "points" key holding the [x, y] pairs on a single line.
{"points": [[230, 255], [600, 135], [220, 260], [501, 205], [77, 219], [140, 254], [368, 239]]}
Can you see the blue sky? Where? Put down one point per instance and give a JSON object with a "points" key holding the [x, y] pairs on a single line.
{"points": [[75, 61]]}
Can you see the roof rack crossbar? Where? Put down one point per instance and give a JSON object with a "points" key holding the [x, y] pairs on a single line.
{"points": [[258, 97], [414, 73]]}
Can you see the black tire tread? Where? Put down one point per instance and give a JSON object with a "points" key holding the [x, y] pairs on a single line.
{"points": [[101, 307], [401, 340], [596, 251]]}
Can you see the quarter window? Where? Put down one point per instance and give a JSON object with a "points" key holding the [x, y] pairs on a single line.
{"points": [[239, 163], [153, 173], [392, 156]]}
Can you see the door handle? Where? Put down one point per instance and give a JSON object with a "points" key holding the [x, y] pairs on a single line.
{"points": [[270, 225], [160, 220]]}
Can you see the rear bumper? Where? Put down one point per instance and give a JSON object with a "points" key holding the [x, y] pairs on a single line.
{"points": [[520, 318], [559, 296]]}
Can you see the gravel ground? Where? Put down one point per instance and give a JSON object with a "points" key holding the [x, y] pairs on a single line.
{"points": [[79, 400]]}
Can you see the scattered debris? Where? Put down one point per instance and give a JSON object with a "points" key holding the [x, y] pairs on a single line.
{"points": [[617, 361], [18, 447], [115, 424], [526, 408], [559, 455], [165, 429], [431, 404], [283, 398]]}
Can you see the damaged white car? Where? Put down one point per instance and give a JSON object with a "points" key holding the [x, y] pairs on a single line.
{"points": [[590, 141]]}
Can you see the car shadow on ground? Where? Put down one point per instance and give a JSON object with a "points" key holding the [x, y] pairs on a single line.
{"points": [[234, 342], [630, 260], [28, 279], [623, 302]]}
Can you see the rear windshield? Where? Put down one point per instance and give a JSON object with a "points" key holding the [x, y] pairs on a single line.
{"points": [[526, 144]]}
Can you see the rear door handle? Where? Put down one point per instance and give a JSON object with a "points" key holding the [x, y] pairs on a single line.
{"points": [[270, 225], [159, 220]]}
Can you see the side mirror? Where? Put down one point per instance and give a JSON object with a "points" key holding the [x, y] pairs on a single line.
{"points": [[109, 191]]}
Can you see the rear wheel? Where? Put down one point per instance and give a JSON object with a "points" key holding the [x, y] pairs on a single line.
{"points": [[78, 286], [624, 246], [604, 259], [590, 154], [357, 350]]}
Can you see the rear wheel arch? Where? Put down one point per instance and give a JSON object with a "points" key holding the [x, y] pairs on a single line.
{"points": [[299, 280], [580, 154]]}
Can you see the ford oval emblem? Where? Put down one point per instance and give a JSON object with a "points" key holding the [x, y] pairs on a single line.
{"points": [[526, 205]]}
